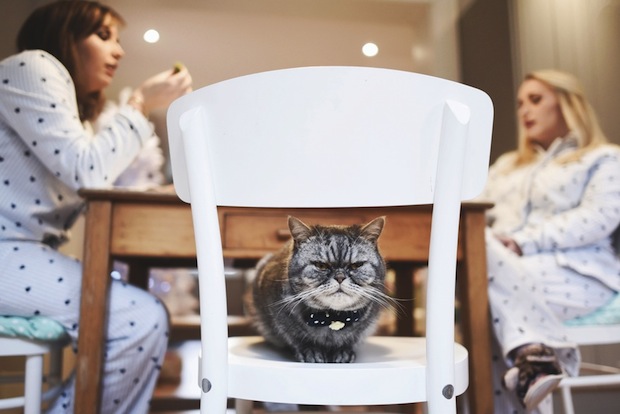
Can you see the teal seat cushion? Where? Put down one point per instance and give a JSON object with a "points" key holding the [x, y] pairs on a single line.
{"points": [[36, 327], [608, 314]]}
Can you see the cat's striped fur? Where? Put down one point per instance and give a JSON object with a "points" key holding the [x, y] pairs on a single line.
{"points": [[321, 294]]}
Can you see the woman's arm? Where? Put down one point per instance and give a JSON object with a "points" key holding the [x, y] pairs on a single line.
{"points": [[38, 102], [595, 217]]}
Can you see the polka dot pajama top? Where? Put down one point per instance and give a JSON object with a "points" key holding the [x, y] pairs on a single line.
{"points": [[562, 215], [46, 155]]}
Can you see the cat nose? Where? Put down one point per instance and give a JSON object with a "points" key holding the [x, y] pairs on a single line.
{"points": [[340, 276]]}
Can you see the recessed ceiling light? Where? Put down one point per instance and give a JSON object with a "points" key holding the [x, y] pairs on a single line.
{"points": [[370, 49], [151, 36], [418, 52]]}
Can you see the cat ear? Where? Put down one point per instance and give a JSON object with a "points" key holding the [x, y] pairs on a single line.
{"points": [[299, 230], [372, 230]]}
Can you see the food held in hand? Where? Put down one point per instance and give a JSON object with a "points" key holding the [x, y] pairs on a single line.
{"points": [[177, 67]]}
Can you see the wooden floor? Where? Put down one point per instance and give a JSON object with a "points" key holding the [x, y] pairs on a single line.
{"points": [[178, 385]]}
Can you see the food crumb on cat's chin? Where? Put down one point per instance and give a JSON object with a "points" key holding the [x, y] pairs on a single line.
{"points": [[336, 325]]}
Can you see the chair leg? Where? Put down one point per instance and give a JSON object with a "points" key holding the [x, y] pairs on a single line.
{"points": [[54, 377], [243, 406], [55, 371], [567, 400], [33, 384]]}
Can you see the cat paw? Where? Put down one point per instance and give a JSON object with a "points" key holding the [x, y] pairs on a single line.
{"points": [[315, 356], [310, 355], [344, 356]]}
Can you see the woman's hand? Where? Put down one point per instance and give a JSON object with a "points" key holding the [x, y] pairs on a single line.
{"points": [[510, 244], [160, 90]]}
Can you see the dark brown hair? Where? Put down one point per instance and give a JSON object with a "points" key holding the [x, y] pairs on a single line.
{"points": [[57, 28]]}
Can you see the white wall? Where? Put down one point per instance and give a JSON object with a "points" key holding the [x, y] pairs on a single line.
{"points": [[578, 36]]}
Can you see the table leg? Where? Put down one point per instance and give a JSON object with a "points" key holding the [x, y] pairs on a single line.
{"points": [[139, 270], [472, 285], [91, 339], [404, 292]]}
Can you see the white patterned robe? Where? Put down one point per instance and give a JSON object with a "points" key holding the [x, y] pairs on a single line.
{"points": [[562, 216], [46, 155]]}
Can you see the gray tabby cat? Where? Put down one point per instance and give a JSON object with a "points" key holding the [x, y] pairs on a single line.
{"points": [[321, 294]]}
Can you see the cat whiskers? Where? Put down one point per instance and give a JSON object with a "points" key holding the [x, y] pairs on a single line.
{"points": [[292, 301], [379, 297]]}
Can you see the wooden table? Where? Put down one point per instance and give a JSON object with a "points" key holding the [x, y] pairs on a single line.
{"points": [[153, 228]]}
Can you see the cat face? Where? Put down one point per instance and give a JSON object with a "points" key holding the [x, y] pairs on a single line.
{"points": [[336, 268]]}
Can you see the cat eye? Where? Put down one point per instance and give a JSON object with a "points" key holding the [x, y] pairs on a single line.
{"points": [[321, 265], [356, 265]]}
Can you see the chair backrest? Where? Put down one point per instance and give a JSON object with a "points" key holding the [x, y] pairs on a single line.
{"points": [[331, 137], [321, 121]]}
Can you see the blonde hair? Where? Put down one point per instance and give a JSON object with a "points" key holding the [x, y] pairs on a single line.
{"points": [[576, 110]]}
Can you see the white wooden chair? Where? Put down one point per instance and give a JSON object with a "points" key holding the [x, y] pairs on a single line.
{"points": [[34, 350], [600, 328], [331, 137]]}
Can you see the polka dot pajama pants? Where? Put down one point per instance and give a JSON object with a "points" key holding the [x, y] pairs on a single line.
{"points": [[529, 298], [37, 280]]}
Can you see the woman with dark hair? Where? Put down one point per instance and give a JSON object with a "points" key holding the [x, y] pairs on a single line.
{"points": [[52, 143], [549, 243]]}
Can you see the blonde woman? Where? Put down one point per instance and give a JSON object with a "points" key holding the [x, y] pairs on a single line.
{"points": [[549, 240]]}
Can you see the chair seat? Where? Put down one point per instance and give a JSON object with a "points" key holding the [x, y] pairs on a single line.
{"points": [[15, 346], [38, 328], [609, 314], [597, 328], [387, 370], [601, 327], [594, 334]]}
